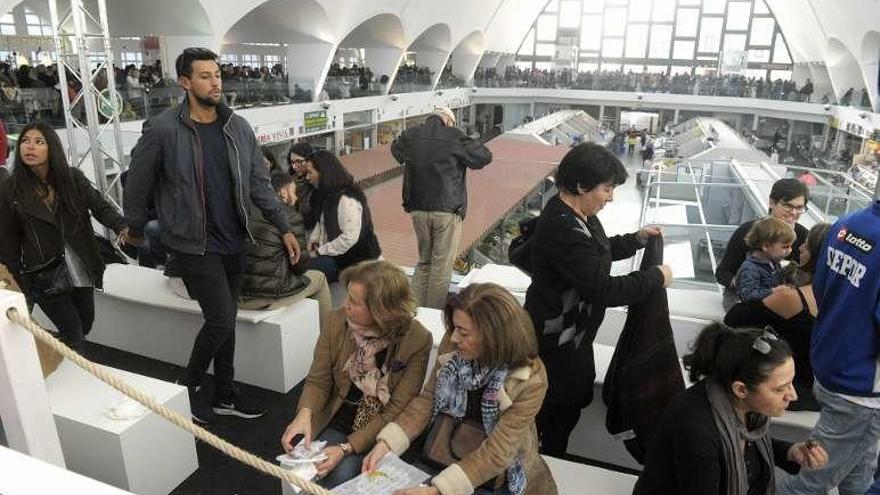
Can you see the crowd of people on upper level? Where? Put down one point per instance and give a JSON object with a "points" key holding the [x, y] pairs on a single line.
{"points": [[680, 83]]}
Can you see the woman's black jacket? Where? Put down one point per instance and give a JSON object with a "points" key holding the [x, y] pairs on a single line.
{"points": [[571, 287], [31, 234]]}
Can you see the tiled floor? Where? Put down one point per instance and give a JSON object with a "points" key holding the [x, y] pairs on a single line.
{"points": [[368, 163], [517, 167]]}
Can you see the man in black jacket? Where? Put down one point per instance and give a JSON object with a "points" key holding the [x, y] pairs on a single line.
{"points": [[436, 156], [202, 166]]}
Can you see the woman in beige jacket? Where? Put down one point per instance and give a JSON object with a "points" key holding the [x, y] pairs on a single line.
{"points": [[488, 370], [369, 362]]}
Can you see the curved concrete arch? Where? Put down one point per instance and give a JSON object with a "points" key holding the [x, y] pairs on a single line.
{"points": [[284, 21], [437, 37], [432, 48], [466, 56], [384, 30], [137, 17], [870, 58], [382, 37], [844, 69]]}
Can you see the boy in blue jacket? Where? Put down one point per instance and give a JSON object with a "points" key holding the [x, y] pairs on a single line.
{"points": [[770, 240]]}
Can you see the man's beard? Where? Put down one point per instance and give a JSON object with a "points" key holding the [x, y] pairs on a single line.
{"points": [[206, 101]]}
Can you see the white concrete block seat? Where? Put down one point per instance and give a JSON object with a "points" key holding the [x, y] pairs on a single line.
{"points": [[23, 474], [573, 478], [508, 276], [137, 312], [146, 455], [432, 319]]}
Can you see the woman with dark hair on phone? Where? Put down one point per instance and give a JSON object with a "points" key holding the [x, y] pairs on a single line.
{"points": [[714, 438], [46, 236]]}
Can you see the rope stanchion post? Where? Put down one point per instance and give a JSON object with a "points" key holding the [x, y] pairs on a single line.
{"points": [[237, 453], [24, 402]]}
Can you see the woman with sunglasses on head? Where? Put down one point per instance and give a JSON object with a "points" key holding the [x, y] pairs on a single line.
{"points": [[713, 439], [788, 201], [46, 236]]}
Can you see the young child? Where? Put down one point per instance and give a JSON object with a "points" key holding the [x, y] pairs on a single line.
{"points": [[770, 240]]}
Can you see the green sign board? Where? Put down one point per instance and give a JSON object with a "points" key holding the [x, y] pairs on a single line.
{"points": [[315, 121]]}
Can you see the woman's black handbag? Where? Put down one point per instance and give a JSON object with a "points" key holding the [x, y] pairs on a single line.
{"points": [[46, 279]]}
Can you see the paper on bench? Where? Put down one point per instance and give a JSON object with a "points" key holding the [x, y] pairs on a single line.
{"points": [[390, 474]]}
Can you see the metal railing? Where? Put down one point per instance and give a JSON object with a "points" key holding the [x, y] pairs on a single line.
{"points": [[697, 208]]}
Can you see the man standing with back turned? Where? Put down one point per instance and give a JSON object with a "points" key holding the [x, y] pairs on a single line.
{"points": [[436, 157], [201, 165]]}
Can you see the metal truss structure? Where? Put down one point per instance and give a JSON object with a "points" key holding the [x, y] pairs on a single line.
{"points": [[91, 103]]}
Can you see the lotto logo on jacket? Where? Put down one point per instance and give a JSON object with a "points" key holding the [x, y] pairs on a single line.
{"points": [[855, 239]]}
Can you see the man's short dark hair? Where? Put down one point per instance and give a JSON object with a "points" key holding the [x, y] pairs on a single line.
{"points": [[184, 61], [586, 166], [789, 189]]}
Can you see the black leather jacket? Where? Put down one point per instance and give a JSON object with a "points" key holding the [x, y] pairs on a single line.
{"points": [[31, 234], [167, 167], [436, 159]]}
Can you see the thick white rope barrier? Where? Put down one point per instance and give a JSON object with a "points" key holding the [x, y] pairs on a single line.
{"points": [[176, 419]]}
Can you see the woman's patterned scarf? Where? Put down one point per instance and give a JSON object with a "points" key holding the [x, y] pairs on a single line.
{"points": [[454, 380]]}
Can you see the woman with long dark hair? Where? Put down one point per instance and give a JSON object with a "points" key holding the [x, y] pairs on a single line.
{"points": [[339, 217], [46, 236]]}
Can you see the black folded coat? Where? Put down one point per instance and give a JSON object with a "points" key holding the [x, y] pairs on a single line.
{"points": [[644, 374]]}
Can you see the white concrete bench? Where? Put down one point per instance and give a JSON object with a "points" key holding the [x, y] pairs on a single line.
{"points": [[432, 319], [574, 478], [138, 313], [146, 455], [508, 276], [23, 474]]}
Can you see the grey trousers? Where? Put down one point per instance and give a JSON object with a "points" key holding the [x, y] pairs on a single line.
{"points": [[438, 234]]}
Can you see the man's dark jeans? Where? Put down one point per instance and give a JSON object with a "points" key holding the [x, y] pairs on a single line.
{"points": [[214, 280]]}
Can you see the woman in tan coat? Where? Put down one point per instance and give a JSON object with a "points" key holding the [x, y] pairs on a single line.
{"points": [[488, 370], [369, 362]]}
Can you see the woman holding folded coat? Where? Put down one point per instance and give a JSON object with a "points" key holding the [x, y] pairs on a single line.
{"points": [[572, 284]]}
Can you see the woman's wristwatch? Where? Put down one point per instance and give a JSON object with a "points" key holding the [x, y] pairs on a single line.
{"points": [[346, 449]]}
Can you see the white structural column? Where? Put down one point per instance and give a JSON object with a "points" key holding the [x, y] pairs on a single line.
{"points": [[504, 61], [434, 60], [308, 64], [489, 60], [384, 61], [24, 402], [464, 65]]}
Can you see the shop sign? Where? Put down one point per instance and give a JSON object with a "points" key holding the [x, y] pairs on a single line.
{"points": [[315, 121], [265, 136]]}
